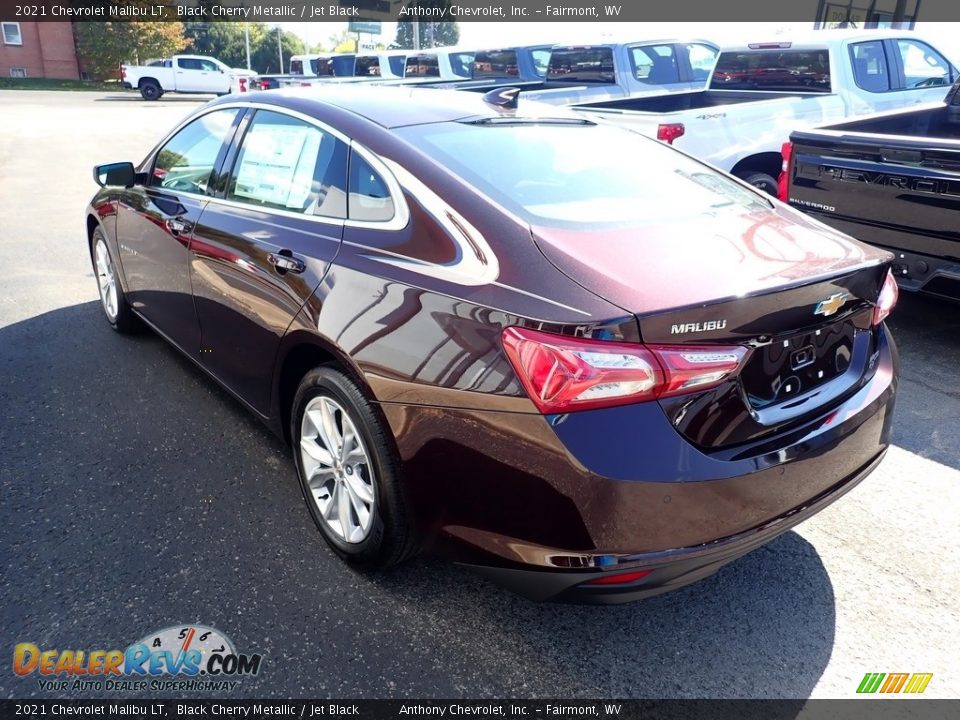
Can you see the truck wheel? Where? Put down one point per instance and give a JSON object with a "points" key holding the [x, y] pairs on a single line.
{"points": [[760, 180], [150, 90]]}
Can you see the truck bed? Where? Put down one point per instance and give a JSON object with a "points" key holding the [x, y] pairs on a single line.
{"points": [[913, 125], [682, 101], [891, 180]]}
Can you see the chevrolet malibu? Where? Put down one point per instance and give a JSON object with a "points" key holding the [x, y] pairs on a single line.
{"points": [[571, 357]]}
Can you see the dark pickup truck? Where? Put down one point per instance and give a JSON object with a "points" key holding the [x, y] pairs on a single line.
{"points": [[892, 180]]}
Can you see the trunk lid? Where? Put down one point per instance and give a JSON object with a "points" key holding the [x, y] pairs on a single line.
{"points": [[797, 293]]}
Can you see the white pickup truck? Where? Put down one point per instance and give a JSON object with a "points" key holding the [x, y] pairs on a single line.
{"points": [[185, 74], [759, 93]]}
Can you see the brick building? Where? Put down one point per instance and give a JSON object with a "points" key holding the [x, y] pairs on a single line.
{"points": [[38, 50]]}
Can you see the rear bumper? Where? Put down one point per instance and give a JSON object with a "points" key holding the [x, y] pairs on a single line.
{"points": [[669, 570], [543, 504]]}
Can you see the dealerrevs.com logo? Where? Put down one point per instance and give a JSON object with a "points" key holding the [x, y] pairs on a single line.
{"points": [[184, 657]]}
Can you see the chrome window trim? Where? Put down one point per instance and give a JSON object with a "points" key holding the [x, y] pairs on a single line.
{"points": [[401, 216]]}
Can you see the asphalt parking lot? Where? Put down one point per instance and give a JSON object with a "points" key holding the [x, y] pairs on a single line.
{"points": [[136, 495]]}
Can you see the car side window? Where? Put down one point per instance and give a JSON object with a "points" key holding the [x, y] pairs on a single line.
{"points": [[655, 64], [209, 66], [188, 63], [187, 160], [870, 70], [702, 60], [369, 199], [923, 66], [288, 164]]}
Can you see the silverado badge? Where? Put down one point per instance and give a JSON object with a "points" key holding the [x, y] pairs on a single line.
{"points": [[830, 306]]}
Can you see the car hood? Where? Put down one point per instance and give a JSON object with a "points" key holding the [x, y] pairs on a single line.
{"points": [[691, 260]]}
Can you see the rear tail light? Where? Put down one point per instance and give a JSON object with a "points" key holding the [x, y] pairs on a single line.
{"points": [[619, 579], [243, 84], [264, 84], [887, 299], [564, 374], [668, 132], [783, 182]]}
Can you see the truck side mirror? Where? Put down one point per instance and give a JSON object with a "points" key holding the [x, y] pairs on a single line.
{"points": [[121, 174]]}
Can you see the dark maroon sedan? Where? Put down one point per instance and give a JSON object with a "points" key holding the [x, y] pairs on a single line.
{"points": [[567, 355]]}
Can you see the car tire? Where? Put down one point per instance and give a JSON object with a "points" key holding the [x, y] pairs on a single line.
{"points": [[150, 90], [762, 181], [355, 499], [113, 301]]}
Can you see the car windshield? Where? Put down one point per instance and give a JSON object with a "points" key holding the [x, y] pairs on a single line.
{"points": [[568, 173]]}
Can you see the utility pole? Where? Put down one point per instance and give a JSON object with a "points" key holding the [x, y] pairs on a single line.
{"points": [[416, 34], [246, 39], [280, 47]]}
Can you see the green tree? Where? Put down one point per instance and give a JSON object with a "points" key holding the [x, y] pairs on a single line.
{"points": [[222, 40], [432, 33], [104, 45], [264, 55]]}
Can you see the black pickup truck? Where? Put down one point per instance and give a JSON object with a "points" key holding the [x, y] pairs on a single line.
{"points": [[892, 180]]}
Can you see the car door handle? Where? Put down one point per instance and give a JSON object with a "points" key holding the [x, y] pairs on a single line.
{"points": [[283, 262], [177, 226]]}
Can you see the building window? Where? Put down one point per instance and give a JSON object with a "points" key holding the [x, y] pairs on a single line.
{"points": [[865, 14], [18, 72], [11, 33]]}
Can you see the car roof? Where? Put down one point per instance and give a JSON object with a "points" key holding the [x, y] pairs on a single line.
{"points": [[399, 106]]}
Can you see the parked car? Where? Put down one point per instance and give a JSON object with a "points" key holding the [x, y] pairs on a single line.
{"points": [[185, 74], [892, 180], [543, 367], [354, 67], [761, 92], [564, 75]]}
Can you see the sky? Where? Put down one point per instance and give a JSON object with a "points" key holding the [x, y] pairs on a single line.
{"points": [[945, 35]]}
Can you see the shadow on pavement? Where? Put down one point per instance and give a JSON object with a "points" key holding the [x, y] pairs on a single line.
{"points": [[927, 331], [134, 96], [137, 495]]}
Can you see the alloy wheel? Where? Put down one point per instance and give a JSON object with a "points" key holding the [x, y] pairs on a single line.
{"points": [[337, 469], [106, 280]]}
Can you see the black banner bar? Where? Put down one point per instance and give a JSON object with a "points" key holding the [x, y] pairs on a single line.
{"points": [[579, 11], [857, 709]]}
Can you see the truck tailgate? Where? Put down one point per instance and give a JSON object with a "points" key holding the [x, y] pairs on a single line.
{"points": [[898, 193]]}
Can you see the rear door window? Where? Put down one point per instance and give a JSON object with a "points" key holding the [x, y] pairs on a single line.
{"points": [[870, 69], [702, 59], [288, 164], [655, 64]]}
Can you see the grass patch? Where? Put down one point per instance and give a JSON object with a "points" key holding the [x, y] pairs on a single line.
{"points": [[50, 84]]}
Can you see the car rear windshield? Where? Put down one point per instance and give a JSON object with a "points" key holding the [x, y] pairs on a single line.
{"points": [[776, 69], [491, 64], [578, 175], [587, 65]]}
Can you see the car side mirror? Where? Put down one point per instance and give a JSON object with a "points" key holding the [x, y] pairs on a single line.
{"points": [[121, 174]]}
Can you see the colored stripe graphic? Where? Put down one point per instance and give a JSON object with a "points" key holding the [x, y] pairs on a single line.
{"points": [[895, 681], [918, 682], [913, 683], [870, 682]]}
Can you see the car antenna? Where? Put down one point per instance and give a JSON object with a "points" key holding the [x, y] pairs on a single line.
{"points": [[503, 97]]}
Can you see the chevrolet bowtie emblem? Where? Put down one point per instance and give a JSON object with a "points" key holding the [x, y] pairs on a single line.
{"points": [[830, 306]]}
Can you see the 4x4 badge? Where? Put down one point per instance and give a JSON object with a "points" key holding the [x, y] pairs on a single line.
{"points": [[830, 306]]}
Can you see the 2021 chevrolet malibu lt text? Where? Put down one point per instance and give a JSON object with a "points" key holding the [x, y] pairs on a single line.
{"points": [[569, 356]]}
